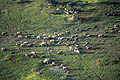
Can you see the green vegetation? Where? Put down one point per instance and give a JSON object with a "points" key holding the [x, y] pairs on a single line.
{"points": [[46, 17]]}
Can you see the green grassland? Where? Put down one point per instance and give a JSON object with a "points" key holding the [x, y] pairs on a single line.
{"points": [[40, 17]]}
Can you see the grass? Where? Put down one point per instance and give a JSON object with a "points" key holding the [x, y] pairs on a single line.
{"points": [[100, 63]]}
